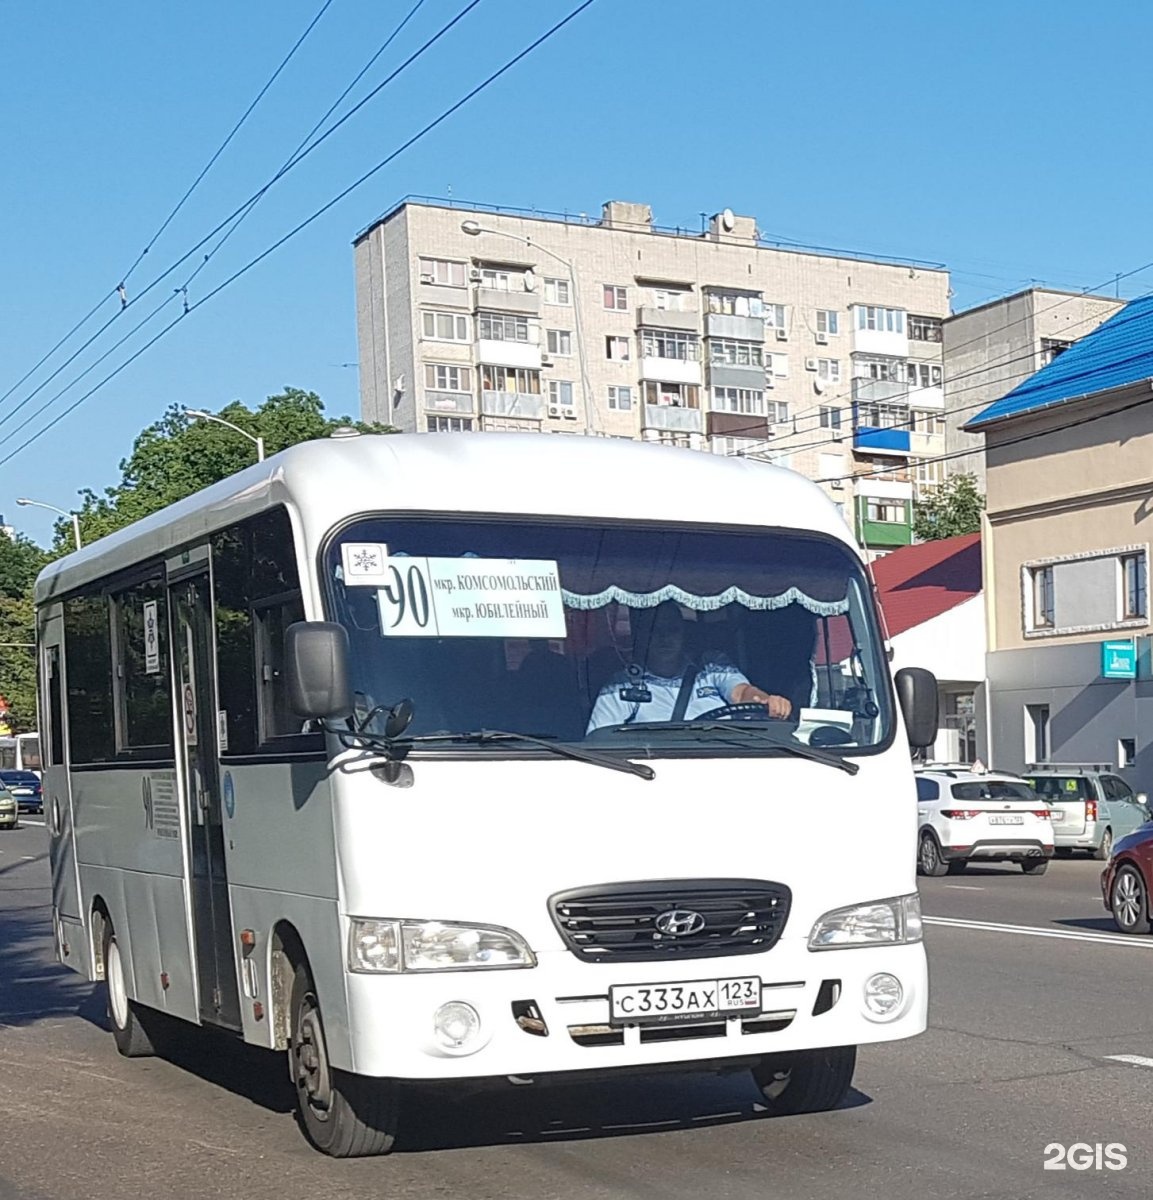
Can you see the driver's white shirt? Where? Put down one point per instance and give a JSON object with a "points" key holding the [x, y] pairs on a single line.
{"points": [[712, 688]]}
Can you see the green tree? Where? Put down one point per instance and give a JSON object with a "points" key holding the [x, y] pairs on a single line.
{"points": [[20, 562], [949, 510], [178, 455]]}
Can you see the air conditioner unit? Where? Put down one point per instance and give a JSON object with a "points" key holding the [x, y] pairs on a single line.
{"points": [[554, 410], [822, 339], [569, 415], [810, 364], [426, 278], [782, 335], [838, 485], [475, 275], [838, 435], [545, 360]]}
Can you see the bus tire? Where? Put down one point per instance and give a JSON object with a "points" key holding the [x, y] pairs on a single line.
{"points": [[126, 1018], [806, 1082], [343, 1115]]}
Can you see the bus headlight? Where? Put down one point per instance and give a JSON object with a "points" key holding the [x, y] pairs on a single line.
{"points": [[892, 922], [395, 946]]}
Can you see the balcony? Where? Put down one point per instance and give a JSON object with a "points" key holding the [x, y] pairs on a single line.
{"points": [[742, 376], [738, 329], [462, 403], [926, 445], [686, 320], [528, 406], [880, 391], [672, 418], [873, 440], [673, 370], [501, 353], [500, 300]]}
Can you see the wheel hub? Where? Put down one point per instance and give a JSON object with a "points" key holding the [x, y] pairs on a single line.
{"points": [[312, 1072]]}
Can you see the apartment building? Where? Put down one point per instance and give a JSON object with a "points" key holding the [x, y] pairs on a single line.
{"points": [[1066, 556], [990, 349], [482, 319]]}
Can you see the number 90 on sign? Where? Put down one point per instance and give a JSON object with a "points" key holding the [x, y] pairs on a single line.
{"points": [[405, 602]]}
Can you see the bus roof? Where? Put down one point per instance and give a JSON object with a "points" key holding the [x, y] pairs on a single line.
{"points": [[325, 481]]}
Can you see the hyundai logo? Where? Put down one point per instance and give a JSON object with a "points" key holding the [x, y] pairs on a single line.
{"points": [[679, 922]]}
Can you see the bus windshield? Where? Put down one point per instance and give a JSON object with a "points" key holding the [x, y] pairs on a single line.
{"points": [[623, 636]]}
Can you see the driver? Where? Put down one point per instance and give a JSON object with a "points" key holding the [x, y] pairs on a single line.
{"points": [[669, 686]]}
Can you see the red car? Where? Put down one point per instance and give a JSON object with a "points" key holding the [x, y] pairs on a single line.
{"points": [[1125, 882]]}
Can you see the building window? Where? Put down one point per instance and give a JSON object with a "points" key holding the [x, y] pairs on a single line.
{"points": [[826, 321], [671, 299], [883, 416], [886, 512], [778, 412], [738, 447], [442, 378], [504, 327], [829, 369], [670, 343], [1134, 587], [498, 280], [927, 421], [924, 329], [560, 342], [830, 417], [618, 349], [1126, 752], [444, 327], [441, 271], [775, 317], [449, 425], [666, 437], [928, 472], [1036, 733], [746, 401], [1041, 580], [616, 298], [620, 398], [736, 354], [880, 320], [674, 395], [1051, 348], [777, 365], [923, 375], [892, 370], [557, 291], [735, 304], [560, 393], [516, 380]]}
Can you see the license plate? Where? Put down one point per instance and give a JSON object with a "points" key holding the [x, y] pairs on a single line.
{"points": [[1006, 819], [1056, 814], [664, 1003], [21, 791]]}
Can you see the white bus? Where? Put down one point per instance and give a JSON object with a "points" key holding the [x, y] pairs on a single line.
{"points": [[20, 752], [323, 768]]}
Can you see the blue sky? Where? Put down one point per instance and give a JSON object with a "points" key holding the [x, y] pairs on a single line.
{"points": [[993, 138]]}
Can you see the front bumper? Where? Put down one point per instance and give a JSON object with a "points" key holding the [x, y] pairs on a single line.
{"points": [[809, 999]]}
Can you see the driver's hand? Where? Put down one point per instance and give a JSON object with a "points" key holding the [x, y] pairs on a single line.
{"points": [[779, 708]]}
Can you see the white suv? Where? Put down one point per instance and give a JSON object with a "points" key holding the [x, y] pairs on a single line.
{"points": [[968, 817]]}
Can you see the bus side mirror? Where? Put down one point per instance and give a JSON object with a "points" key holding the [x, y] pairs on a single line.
{"points": [[917, 694], [316, 666]]}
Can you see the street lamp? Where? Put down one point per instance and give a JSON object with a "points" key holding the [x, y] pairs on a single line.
{"points": [[24, 502], [207, 416], [475, 229]]}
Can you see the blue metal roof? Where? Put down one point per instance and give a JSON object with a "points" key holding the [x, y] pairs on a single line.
{"points": [[1116, 353]]}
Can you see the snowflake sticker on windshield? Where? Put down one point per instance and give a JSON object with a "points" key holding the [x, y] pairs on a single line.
{"points": [[364, 563]]}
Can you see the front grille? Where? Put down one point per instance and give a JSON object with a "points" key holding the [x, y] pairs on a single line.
{"points": [[619, 922]]}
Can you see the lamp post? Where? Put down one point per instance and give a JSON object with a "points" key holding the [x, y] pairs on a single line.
{"points": [[201, 415], [24, 502], [475, 229]]}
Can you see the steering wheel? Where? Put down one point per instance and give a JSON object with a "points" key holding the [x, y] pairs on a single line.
{"points": [[738, 712]]}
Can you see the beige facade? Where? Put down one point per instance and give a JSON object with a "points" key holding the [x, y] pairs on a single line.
{"points": [[990, 349], [495, 320]]}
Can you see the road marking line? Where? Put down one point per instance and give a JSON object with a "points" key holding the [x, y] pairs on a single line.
{"points": [[1136, 1060], [1106, 939], [25, 821], [964, 887]]}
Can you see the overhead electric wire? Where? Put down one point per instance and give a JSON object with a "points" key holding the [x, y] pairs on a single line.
{"points": [[240, 211], [168, 220], [554, 29]]}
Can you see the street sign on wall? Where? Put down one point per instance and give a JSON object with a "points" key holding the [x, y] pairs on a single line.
{"points": [[1118, 660]]}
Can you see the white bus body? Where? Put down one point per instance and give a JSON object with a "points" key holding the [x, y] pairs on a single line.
{"points": [[20, 752], [474, 907]]}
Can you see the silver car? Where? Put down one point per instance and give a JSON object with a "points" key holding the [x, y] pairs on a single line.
{"points": [[1092, 806], [9, 809]]}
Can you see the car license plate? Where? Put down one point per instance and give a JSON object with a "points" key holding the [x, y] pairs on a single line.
{"points": [[21, 791], [1056, 814], [664, 1003], [1006, 819]]}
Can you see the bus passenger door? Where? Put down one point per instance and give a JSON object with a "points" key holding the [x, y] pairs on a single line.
{"points": [[57, 789], [190, 606]]}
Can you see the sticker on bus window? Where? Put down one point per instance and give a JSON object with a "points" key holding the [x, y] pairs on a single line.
{"points": [[477, 597], [1070, 785], [364, 563]]}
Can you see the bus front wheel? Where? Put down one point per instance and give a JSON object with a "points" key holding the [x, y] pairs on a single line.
{"points": [[344, 1115], [124, 1015], [808, 1081]]}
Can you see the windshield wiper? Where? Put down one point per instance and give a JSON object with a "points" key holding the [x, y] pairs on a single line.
{"points": [[478, 737], [798, 749]]}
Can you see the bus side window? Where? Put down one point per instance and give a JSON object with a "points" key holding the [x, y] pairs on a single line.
{"points": [[91, 715], [272, 619], [55, 708], [143, 695]]}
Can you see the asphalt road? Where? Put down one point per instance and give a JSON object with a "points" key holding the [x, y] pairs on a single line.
{"points": [[1032, 999]]}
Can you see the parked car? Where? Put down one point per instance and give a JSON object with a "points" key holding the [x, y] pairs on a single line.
{"points": [[9, 809], [1092, 806], [1126, 880], [969, 817], [26, 787]]}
